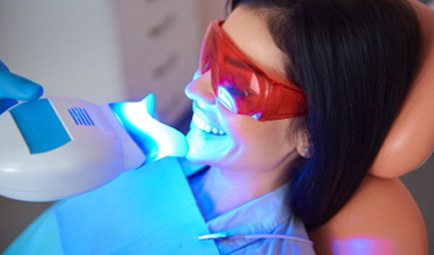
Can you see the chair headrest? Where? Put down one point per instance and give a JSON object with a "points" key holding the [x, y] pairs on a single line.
{"points": [[410, 141]]}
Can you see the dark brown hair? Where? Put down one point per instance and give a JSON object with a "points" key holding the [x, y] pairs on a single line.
{"points": [[355, 60]]}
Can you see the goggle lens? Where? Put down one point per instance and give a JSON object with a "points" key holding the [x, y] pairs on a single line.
{"points": [[240, 86]]}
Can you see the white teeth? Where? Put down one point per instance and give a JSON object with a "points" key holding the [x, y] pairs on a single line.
{"points": [[202, 125]]}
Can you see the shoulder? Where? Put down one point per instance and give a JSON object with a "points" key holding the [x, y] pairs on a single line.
{"points": [[380, 218]]}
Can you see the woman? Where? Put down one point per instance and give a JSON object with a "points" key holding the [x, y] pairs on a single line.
{"points": [[345, 57], [291, 103]]}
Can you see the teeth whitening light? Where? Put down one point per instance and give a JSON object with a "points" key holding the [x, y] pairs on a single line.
{"points": [[54, 147]]}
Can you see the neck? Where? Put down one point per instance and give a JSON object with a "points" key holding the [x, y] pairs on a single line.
{"points": [[220, 190]]}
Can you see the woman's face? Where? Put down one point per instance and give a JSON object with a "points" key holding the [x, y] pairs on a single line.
{"points": [[222, 139]]}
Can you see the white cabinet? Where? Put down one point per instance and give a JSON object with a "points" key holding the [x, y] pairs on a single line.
{"points": [[159, 44]]}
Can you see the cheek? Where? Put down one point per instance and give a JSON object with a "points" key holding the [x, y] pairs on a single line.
{"points": [[236, 126], [254, 137]]}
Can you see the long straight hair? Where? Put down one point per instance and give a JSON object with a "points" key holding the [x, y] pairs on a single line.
{"points": [[355, 60]]}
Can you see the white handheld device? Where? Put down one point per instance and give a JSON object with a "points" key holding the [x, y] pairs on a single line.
{"points": [[53, 148]]}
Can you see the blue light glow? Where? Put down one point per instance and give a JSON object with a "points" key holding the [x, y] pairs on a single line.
{"points": [[226, 99], [155, 139], [363, 245], [256, 116], [196, 74]]}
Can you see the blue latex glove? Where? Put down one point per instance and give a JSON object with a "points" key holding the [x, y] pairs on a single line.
{"points": [[14, 88]]}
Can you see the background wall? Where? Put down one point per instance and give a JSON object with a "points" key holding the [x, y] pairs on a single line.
{"points": [[71, 47], [108, 50]]}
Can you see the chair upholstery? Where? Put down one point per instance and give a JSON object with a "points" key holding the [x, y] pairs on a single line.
{"points": [[382, 216], [411, 139]]}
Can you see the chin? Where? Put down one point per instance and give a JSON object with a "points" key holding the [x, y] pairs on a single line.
{"points": [[207, 148]]}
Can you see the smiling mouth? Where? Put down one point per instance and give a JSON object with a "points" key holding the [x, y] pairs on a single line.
{"points": [[205, 127]]}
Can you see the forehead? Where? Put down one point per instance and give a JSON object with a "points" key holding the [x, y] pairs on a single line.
{"points": [[250, 33]]}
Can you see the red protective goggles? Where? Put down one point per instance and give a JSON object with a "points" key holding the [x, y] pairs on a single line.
{"points": [[241, 86]]}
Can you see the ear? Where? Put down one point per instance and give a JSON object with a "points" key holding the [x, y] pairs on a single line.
{"points": [[303, 143]]}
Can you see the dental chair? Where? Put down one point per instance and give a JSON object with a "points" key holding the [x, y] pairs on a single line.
{"points": [[382, 216]]}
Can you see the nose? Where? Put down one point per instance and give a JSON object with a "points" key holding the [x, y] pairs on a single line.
{"points": [[200, 89]]}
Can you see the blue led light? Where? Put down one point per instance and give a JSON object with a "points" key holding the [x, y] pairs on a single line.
{"points": [[154, 138]]}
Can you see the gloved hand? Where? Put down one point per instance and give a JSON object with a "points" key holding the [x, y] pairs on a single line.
{"points": [[14, 88]]}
